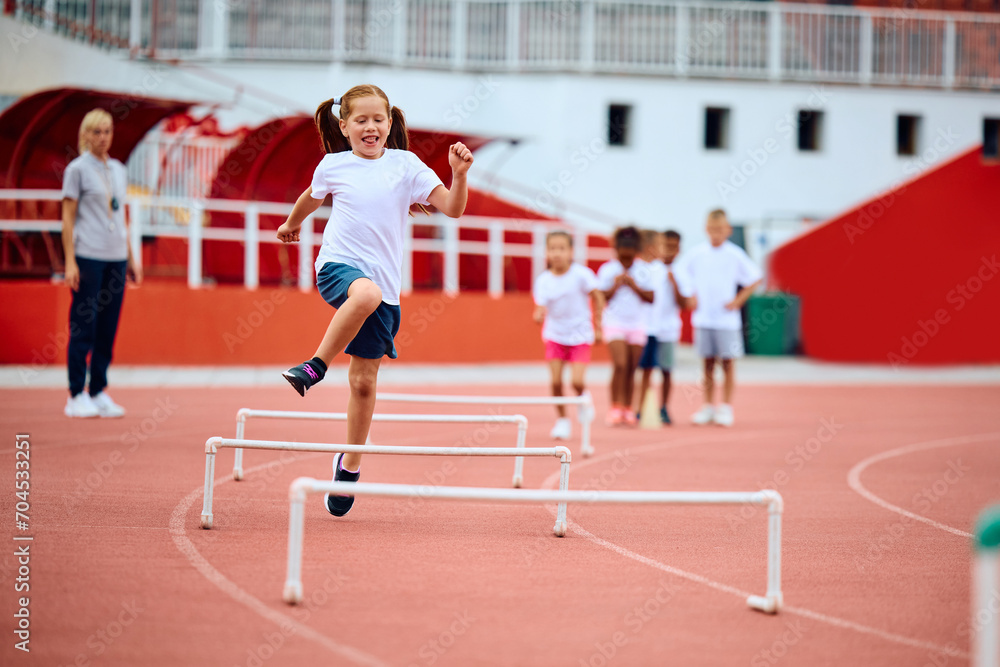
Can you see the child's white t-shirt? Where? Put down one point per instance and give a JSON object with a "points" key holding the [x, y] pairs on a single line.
{"points": [[713, 276], [371, 201], [625, 309], [566, 298], [665, 318]]}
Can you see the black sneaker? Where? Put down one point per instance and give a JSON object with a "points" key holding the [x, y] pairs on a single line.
{"points": [[304, 375], [664, 417], [340, 505]]}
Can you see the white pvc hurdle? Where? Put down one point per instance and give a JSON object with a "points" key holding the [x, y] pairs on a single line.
{"points": [[213, 445], [584, 403], [244, 415], [770, 602]]}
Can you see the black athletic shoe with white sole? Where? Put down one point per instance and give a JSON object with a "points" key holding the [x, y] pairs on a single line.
{"points": [[340, 505], [305, 375]]}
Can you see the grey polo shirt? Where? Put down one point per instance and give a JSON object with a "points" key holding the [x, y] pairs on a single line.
{"points": [[98, 232]]}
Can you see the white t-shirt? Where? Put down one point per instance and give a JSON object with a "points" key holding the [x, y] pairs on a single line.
{"points": [[566, 298], [665, 318], [713, 276], [371, 201], [625, 309]]}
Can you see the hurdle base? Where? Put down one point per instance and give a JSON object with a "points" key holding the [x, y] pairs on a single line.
{"points": [[293, 592], [560, 529], [206, 521], [238, 474], [517, 481], [768, 604], [587, 452]]}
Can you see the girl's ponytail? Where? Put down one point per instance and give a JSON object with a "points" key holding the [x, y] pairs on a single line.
{"points": [[328, 126], [398, 136]]}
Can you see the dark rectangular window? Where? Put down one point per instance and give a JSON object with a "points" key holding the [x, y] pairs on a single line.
{"points": [[618, 121], [907, 134], [810, 130], [717, 128], [991, 137]]}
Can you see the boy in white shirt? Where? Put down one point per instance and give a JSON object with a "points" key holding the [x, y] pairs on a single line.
{"points": [[712, 275], [563, 297], [665, 320]]}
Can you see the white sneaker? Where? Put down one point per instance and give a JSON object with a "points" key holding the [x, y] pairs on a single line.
{"points": [[703, 416], [106, 407], [724, 415], [81, 405], [562, 430]]}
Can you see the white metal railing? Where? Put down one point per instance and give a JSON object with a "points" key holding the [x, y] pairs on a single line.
{"points": [[141, 210], [709, 38]]}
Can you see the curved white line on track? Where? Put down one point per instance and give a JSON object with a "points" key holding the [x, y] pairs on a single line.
{"points": [[854, 475], [186, 547], [553, 479]]}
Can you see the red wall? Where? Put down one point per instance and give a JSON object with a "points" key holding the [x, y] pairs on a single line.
{"points": [[166, 323], [908, 278]]}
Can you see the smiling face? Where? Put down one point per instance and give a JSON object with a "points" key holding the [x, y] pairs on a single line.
{"points": [[367, 126]]}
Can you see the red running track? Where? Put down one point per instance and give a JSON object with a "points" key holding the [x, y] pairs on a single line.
{"points": [[121, 573]]}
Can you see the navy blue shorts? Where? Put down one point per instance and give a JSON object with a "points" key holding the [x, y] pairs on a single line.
{"points": [[374, 340], [649, 356]]}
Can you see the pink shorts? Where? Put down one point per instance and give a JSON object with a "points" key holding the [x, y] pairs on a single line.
{"points": [[577, 354], [630, 336]]}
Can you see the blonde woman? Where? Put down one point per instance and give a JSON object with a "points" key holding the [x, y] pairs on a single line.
{"points": [[97, 261]]}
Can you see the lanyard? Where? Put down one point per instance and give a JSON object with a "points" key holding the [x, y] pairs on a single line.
{"points": [[112, 200]]}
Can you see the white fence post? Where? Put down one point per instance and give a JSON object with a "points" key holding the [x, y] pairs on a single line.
{"points": [[306, 255], [407, 268], [135, 27], [537, 251], [866, 50], [513, 34], [681, 30], [580, 248], [587, 35], [450, 258], [338, 29], [399, 39], [194, 244], [49, 15], [950, 43], [775, 18], [494, 260], [251, 252], [459, 27]]}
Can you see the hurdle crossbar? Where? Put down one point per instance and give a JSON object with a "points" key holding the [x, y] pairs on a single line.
{"points": [[213, 445], [986, 590], [584, 403], [245, 414], [770, 602]]}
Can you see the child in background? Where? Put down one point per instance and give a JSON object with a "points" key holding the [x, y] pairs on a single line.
{"points": [[712, 275], [563, 297], [651, 252], [373, 180], [665, 321], [626, 285]]}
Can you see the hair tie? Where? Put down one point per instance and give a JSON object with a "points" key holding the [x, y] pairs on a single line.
{"points": [[336, 101]]}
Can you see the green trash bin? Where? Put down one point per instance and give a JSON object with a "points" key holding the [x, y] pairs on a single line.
{"points": [[772, 323]]}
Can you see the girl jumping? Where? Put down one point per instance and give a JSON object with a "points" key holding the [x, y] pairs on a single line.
{"points": [[373, 180]]}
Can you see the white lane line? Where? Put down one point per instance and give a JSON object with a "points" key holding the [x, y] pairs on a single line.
{"points": [[552, 480], [854, 475], [228, 587]]}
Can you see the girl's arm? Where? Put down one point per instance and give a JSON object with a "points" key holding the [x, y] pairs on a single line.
{"points": [[597, 301], [539, 314], [71, 270], [620, 280], [452, 202], [305, 206], [678, 297], [644, 294]]}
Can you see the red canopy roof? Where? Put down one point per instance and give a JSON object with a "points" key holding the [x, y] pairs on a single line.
{"points": [[39, 133]]}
